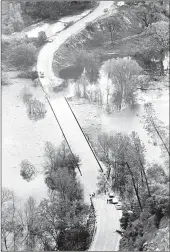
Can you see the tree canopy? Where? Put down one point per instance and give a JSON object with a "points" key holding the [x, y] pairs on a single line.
{"points": [[124, 76]]}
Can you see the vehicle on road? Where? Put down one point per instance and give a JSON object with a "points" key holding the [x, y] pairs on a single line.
{"points": [[119, 206], [115, 200], [111, 195], [105, 10], [50, 40], [41, 74], [109, 201]]}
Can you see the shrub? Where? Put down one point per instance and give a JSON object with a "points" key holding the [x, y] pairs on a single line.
{"points": [[90, 27], [23, 56], [27, 170], [36, 82], [66, 25], [124, 221], [28, 75], [42, 38]]}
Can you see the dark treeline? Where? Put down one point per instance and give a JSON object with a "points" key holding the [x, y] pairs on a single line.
{"points": [[54, 9]]}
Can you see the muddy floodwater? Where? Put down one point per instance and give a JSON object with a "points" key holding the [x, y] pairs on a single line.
{"points": [[23, 138]]}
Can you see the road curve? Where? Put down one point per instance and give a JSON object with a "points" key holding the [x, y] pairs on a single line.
{"points": [[107, 216]]}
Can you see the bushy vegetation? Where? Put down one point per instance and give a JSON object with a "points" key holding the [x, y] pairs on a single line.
{"points": [[27, 170], [28, 75], [42, 38], [16, 16], [22, 56], [137, 232]]}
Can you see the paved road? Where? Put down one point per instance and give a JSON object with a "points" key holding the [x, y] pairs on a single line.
{"points": [[107, 220], [46, 55], [106, 239]]}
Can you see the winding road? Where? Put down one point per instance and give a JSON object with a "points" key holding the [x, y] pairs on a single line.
{"points": [[105, 238]]}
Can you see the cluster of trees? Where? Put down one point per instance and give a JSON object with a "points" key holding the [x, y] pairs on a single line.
{"points": [[153, 44], [140, 231], [142, 187], [16, 15], [127, 169], [12, 20], [53, 9], [50, 224], [21, 52], [123, 75], [152, 17]]}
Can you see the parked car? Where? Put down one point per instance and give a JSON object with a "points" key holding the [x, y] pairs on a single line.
{"points": [[110, 201], [111, 195], [119, 206], [115, 200], [50, 40], [106, 10], [41, 75]]}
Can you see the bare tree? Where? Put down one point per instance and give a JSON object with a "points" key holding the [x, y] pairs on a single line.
{"points": [[12, 222], [30, 223]]}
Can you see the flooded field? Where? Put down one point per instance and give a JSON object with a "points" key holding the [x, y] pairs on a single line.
{"points": [[23, 138], [95, 121]]}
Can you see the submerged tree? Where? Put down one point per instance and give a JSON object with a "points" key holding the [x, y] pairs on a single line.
{"points": [[124, 76], [36, 110], [27, 171], [90, 61]]}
